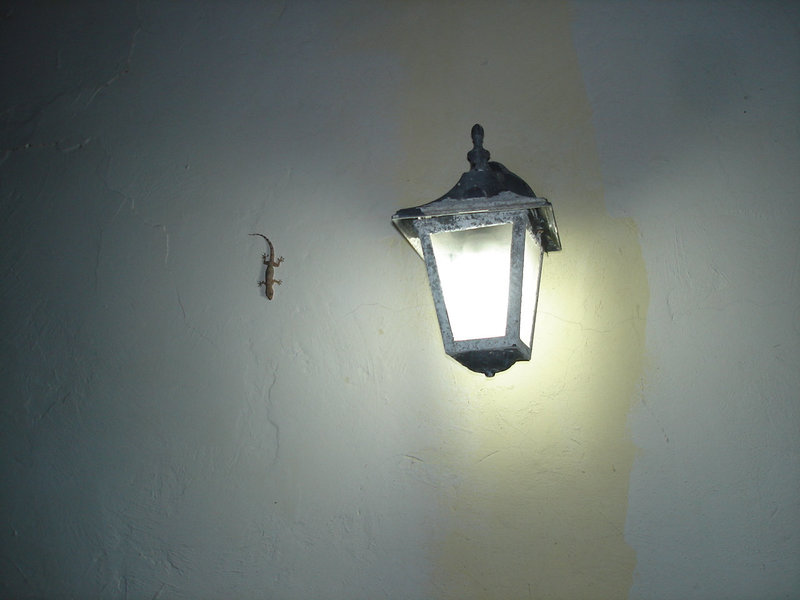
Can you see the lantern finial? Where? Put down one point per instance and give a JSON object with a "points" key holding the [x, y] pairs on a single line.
{"points": [[478, 157]]}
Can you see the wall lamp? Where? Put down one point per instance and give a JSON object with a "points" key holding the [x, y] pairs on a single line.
{"points": [[482, 244]]}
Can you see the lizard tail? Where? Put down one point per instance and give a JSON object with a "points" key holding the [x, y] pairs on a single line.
{"points": [[271, 249]]}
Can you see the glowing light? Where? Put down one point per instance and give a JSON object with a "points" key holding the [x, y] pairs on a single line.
{"points": [[474, 267]]}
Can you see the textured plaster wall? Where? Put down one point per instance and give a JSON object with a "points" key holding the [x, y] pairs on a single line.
{"points": [[169, 433], [697, 112]]}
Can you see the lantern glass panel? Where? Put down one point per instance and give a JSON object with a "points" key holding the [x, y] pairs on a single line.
{"points": [[530, 285], [474, 267]]}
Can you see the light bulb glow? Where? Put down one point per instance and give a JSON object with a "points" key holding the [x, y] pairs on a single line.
{"points": [[474, 267]]}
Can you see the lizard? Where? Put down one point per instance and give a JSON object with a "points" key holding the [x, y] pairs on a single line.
{"points": [[271, 263]]}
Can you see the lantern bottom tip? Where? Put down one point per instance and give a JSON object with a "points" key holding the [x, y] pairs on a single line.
{"points": [[489, 362]]}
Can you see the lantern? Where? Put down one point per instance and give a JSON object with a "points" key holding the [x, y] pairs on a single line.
{"points": [[482, 244]]}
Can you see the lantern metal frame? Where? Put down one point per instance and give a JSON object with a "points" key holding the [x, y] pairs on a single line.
{"points": [[486, 195]]}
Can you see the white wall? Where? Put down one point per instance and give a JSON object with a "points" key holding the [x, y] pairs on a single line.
{"points": [[697, 112], [167, 432]]}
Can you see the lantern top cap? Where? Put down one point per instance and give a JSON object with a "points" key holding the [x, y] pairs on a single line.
{"points": [[486, 179], [487, 187], [485, 183]]}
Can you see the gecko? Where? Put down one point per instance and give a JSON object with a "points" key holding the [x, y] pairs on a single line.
{"points": [[269, 276]]}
